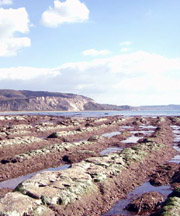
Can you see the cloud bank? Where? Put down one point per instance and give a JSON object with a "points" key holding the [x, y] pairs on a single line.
{"points": [[94, 52], [70, 11], [6, 2], [13, 21], [139, 78], [125, 43]]}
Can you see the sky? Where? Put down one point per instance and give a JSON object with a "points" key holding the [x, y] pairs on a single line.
{"points": [[123, 52]]}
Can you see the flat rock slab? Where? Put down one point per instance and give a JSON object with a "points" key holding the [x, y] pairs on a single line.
{"points": [[23, 204], [61, 187]]}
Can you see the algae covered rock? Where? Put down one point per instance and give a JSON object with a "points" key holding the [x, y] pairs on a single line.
{"points": [[43, 211], [17, 204], [171, 207], [61, 187], [125, 133]]}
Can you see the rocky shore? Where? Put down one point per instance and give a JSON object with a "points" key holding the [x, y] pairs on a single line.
{"points": [[107, 158]]}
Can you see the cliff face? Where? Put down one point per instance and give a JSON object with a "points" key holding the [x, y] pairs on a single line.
{"points": [[75, 103], [11, 100]]}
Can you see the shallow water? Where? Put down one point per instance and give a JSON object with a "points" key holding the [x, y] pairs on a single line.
{"points": [[149, 132], [176, 138], [148, 127], [118, 208], [175, 127], [12, 183], [101, 113], [176, 132], [126, 127], [175, 159], [111, 134], [110, 150], [177, 148], [132, 139]]}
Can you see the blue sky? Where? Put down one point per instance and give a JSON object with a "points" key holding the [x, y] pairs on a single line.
{"points": [[118, 51]]}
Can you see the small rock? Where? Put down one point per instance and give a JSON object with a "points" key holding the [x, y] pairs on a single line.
{"points": [[139, 134], [93, 138], [79, 129], [146, 202], [176, 192], [125, 133], [53, 135], [165, 174]]}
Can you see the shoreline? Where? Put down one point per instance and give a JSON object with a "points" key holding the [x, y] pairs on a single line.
{"points": [[64, 111], [94, 113]]}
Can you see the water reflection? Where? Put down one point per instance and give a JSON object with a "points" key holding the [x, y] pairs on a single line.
{"points": [[132, 139], [111, 134], [110, 150], [12, 183], [118, 208]]}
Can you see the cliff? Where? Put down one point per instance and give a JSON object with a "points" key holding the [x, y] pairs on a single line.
{"points": [[12, 100]]}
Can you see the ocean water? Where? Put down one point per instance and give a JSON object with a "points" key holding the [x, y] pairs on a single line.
{"points": [[100, 113]]}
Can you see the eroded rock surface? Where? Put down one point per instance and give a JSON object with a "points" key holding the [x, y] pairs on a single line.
{"points": [[165, 174], [147, 202], [93, 184]]}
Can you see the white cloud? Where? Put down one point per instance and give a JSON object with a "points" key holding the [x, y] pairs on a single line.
{"points": [[125, 49], [125, 43], [135, 78], [69, 11], [94, 52], [10, 46], [27, 73], [13, 21], [6, 2]]}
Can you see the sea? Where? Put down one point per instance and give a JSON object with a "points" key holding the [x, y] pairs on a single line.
{"points": [[99, 113]]}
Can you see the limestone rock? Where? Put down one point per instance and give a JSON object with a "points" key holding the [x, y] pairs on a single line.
{"points": [[17, 204]]}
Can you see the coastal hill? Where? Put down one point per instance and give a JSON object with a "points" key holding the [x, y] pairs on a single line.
{"points": [[24, 100]]}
